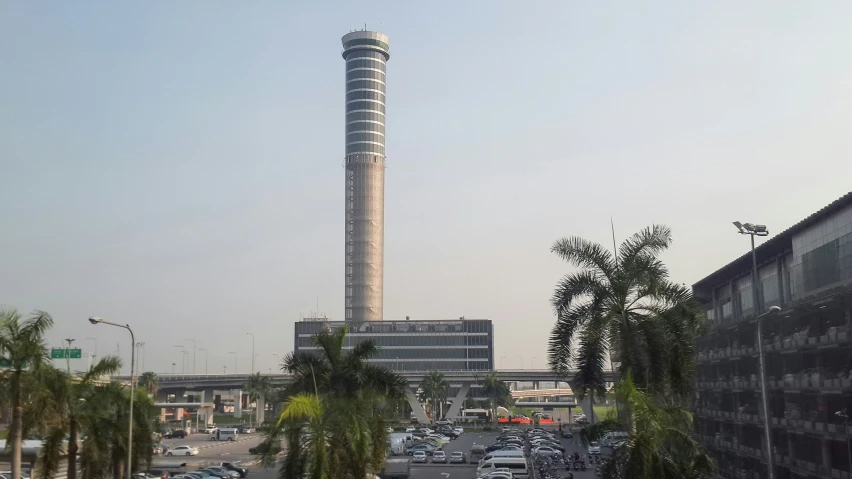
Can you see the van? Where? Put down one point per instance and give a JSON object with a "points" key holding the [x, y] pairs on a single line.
{"points": [[611, 438], [225, 434], [477, 452], [516, 465], [501, 453]]}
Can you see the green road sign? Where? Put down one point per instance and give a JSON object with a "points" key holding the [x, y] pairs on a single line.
{"points": [[62, 353]]}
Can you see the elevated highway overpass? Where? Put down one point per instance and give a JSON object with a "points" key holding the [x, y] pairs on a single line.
{"points": [[461, 381]]}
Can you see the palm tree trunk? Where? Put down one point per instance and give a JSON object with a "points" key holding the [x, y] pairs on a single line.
{"points": [[16, 431], [72, 447]]}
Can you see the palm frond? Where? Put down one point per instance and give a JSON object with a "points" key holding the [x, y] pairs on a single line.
{"points": [[585, 254]]}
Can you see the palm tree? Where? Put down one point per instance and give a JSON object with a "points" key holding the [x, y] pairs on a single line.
{"points": [[498, 393], [623, 310], [150, 382], [660, 445], [434, 389], [257, 386], [343, 433], [66, 397], [22, 349], [104, 422]]}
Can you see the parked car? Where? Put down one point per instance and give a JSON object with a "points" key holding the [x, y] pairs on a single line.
{"points": [[175, 434], [220, 475], [247, 429], [183, 451], [439, 456], [222, 472], [235, 466], [424, 448], [161, 473], [457, 457], [410, 429], [210, 429], [567, 433], [594, 449], [419, 456]]}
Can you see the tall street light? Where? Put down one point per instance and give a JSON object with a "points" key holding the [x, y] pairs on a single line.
{"points": [[235, 361], [173, 368], [277, 360], [205, 360], [97, 320], [68, 355], [252, 352], [765, 397], [760, 230], [95, 340], [193, 354], [182, 357], [142, 347], [845, 416]]}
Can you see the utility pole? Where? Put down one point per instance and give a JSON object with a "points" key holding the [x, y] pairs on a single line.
{"points": [[252, 352], [68, 355], [193, 354]]}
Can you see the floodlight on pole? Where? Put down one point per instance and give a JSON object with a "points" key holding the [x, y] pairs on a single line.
{"points": [[98, 320]]}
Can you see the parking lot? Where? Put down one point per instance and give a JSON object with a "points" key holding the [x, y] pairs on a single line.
{"points": [[468, 471], [210, 451]]}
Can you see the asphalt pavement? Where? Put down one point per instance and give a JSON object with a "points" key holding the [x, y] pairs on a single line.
{"points": [[210, 452]]}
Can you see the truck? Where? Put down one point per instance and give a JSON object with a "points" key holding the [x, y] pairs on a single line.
{"points": [[396, 469]]}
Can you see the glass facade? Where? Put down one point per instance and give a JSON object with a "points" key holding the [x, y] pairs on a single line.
{"points": [[460, 345], [808, 355]]}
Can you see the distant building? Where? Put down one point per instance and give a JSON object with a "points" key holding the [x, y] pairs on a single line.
{"points": [[443, 345], [807, 272]]}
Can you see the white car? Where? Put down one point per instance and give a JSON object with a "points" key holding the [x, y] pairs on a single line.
{"points": [[499, 473], [389, 429], [439, 456], [410, 429], [545, 451], [595, 448], [458, 457], [210, 429], [458, 430], [419, 456], [183, 451]]}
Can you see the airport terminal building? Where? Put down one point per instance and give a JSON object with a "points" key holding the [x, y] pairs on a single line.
{"points": [[443, 345]]}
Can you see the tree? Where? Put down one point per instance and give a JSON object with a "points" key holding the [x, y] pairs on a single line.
{"points": [[66, 397], [104, 423], [434, 389], [498, 393], [22, 350], [333, 420], [149, 382], [257, 386], [660, 444], [624, 310]]}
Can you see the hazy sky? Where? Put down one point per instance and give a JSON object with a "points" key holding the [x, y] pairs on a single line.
{"points": [[178, 165]]}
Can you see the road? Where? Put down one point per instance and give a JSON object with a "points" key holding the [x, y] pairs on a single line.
{"points": [[210, 451]]}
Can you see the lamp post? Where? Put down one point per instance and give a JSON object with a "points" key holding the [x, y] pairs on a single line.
{"points": [[205, 360], [848, 446], [68, 355], [95, 353], [760, 230], [252, 352], [193, 354], [97, 320], [182, 358], [173, 368], [277, 360], [236, 371], [501, 361], [142, 347]]}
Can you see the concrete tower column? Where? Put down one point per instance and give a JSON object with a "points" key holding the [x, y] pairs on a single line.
{"points": [[366, 54]]}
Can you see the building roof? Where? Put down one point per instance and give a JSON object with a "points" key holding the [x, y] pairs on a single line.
{"points": [[773, 247]]}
